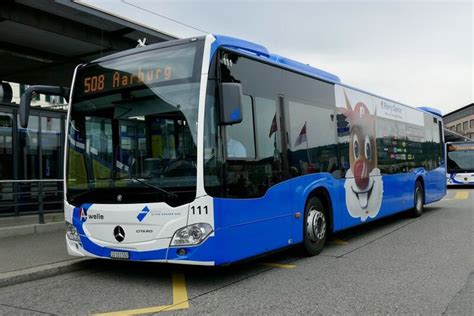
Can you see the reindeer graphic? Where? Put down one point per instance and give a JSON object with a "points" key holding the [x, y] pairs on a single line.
{"points": [[363, 185]]}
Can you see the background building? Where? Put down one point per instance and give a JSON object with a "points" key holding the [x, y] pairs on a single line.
{"points": [[461, 121], [41, 42]]}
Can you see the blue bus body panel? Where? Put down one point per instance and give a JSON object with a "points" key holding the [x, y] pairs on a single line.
{"points": [[435, 185], [249, 227]]}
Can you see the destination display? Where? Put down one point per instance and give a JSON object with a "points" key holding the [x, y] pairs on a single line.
{"points": [[459, 147], [149, 68]]}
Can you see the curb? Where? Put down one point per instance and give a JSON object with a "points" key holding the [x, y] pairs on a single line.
{"points": [[29, 229], [44, 271]]}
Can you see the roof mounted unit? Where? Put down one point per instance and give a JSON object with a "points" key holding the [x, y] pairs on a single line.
{"points": [[262, 52], [304, 67], [430, 110], [236, 43]]}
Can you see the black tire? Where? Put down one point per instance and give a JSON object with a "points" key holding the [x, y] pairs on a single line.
{"points": [[315, 227], [419, 200]]}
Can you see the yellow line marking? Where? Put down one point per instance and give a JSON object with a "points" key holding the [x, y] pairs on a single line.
{"points": [[279, 265], [180, 293], [461, 195], [337, 241], [180, 300]]}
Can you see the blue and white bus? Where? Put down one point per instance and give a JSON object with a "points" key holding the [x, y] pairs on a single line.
{"points": [[460, 163], [212, 150]]}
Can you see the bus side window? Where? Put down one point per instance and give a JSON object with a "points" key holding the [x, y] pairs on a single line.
{"points": [[311, 138], [266, 128]]}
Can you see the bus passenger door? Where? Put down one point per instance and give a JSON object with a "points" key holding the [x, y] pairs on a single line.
{"points": [[312, 153], [258, 198]]}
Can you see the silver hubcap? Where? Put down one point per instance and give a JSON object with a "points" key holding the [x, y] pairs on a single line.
{"points": [[316, 225], [419, 200]]}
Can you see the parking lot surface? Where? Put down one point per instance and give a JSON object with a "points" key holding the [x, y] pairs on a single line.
{"points": [[398, 265]]}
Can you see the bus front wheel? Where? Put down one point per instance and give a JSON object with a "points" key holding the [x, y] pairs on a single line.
{"points": [[315, 227]]}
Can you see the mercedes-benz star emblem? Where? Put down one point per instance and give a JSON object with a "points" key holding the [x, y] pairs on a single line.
{"points": [[119, 233], [119, 198]]}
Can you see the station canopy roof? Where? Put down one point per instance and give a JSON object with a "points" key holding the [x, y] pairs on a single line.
{"points": [[41, 42]]}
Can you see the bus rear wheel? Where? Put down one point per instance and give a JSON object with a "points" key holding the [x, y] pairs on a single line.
{"points": [[315, 227], [419, 199]]}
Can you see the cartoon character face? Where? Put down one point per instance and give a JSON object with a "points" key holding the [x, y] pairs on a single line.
{"points": [[363, 185]]}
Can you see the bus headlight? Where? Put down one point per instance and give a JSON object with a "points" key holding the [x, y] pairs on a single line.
{"points": [[71, 232], [191, 235]]}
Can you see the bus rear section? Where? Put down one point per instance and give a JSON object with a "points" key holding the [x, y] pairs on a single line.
{"points": [[460, 163]]}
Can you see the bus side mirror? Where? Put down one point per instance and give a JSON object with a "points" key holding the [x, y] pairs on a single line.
{"points": [[25, 102], [230, 99]]}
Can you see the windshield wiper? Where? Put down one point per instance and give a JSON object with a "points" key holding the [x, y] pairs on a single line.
{"points": [[141, 180], [78, 195], [148, 184]]}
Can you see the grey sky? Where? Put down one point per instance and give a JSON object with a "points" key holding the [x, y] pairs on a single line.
{"points": [[416, 52]]}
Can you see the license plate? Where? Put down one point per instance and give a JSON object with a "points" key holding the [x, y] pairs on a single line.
{"points": [[119, 255]]}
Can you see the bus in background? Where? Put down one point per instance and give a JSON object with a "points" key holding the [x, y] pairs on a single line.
{"points": [[460, 163], [212, 150]]}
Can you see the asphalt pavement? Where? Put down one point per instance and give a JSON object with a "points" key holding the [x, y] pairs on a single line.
{"points": [[398, 265], [22, 252]]}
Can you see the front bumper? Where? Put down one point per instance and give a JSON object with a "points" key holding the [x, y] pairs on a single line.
{"points": [[195, 255]]}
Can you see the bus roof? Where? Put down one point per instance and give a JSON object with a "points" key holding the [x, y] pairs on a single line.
{"points": [[261, 52]]}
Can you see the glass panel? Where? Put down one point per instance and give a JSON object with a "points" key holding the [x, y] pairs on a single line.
{"points": [[310, 150], [429, 146], [460, 157], [51, 148], [29, 150], [267, 127], [99, 146], [265, 84], [392, 144], [6, 146], [163, 139], [240, 137], [6, 166], [28, 165], [133, 128], [415, 139], [213, 160]]}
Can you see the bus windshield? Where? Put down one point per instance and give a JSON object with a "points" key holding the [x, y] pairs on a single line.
{"points": [[132, 128], [460, 157]]}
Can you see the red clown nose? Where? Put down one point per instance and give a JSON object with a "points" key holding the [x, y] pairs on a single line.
{"points": [[361, 174]]}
